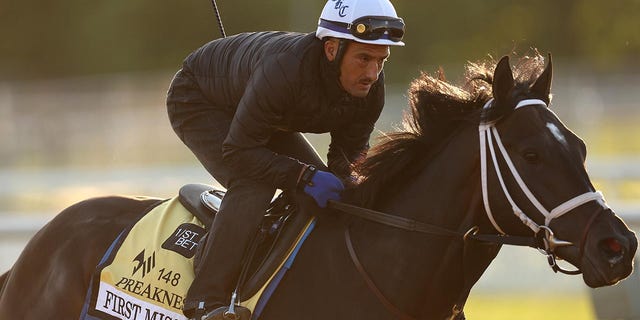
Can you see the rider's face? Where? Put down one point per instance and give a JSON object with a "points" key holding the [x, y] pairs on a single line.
{"points": [[361, 65]]}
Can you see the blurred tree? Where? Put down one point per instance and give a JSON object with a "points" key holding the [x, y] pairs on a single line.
{"points": [[55, 39], [608, 32]]}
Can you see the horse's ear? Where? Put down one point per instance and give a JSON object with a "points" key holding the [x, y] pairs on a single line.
{"points": [[502, 81], [542, 86]]}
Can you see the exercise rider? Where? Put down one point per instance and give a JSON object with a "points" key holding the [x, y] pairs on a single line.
{"points": [[241, 103]]}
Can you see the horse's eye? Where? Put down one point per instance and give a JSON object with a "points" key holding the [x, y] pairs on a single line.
{"points": [[531, 156]]}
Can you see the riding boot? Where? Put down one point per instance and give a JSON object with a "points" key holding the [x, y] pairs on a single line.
{"points": [[234, 226]]}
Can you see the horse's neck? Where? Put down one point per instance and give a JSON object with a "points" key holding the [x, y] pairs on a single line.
{"points": [[425, 271], [444, 191]]}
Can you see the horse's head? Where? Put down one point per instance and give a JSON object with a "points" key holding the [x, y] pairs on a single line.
{"points": [[534, 168]]}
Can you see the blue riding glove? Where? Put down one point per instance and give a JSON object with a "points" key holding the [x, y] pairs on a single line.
{"points": [[322, 186]]}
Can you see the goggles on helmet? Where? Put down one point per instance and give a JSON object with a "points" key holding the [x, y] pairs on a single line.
{"points": [[369, 28]]}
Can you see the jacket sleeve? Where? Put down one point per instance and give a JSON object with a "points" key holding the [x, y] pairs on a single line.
{"points": [[349, 145], [269, 90]]}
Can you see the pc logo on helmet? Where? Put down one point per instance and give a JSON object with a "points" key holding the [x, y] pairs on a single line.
{"points": [[365, 21]]}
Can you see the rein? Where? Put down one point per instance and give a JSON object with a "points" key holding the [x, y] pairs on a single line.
{"points": [[425, 228]]}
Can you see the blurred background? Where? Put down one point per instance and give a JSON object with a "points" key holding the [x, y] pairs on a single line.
{"points": [[82, 113]]}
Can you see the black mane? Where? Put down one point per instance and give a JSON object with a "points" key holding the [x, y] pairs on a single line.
{"points": [[437, 110]]}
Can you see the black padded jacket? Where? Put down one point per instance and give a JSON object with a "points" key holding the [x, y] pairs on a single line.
{"points": [[282, 81]]}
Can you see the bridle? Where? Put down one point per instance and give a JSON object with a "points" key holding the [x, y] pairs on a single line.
{"points": [[543, 239], [489, 133]]}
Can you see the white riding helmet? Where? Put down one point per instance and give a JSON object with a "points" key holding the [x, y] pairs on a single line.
{"points": [[365, 21]]}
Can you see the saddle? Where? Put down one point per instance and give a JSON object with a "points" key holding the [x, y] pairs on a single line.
{"points": [[281, 233]]}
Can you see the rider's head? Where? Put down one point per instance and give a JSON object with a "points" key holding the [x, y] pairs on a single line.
{"points": [[357, 35]]}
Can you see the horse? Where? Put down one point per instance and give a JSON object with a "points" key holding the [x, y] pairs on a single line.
{"points": [[477, 166]]}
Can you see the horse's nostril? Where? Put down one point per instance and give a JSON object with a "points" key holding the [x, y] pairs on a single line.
{"points": [[613, 245], [613, 250]]}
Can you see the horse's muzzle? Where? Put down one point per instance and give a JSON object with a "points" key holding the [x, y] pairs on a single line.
{"points": [[609, 253]]}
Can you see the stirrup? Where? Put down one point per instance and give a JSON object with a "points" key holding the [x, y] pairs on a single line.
{"points": [[198, 312], [223, 313]]}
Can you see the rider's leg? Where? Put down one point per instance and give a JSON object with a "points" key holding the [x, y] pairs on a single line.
{"points": [[203, 128], [234, 226], [240, 213]]}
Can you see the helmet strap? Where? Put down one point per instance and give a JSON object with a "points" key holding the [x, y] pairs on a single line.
{"points": [[337, 61]]}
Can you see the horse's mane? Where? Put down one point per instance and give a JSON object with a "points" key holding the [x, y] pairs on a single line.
{"points": [[437, 110]]}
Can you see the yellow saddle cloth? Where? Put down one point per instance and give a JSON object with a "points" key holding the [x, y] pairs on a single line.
{"points": [[149, 274], [148, 269]]}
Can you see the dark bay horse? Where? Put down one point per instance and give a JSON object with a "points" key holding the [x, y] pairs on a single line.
{"points": [[486, 158]]}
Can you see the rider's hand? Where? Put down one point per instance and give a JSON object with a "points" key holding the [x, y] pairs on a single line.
{"points": [[321, 185]]}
